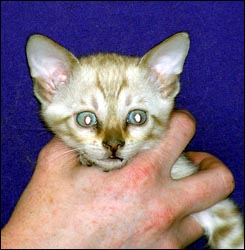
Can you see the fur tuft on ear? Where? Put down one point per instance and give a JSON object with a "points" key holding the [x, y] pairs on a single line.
{"points": [[50, 66], [166, 61]]}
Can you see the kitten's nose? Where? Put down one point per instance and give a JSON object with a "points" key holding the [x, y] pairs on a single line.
{"points": [[113, 144]]}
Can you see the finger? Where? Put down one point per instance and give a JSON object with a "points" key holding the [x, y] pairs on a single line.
{"points": [[206, 161], [202, 159], [181, 130], [211, 184]]}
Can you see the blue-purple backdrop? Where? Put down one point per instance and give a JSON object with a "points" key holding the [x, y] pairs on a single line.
{"points": [[212, 82]]}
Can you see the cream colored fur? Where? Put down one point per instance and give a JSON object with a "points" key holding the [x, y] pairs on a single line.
{"points": [[109, 107]]}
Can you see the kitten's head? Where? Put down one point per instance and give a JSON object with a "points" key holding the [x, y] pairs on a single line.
{"points": [[107, 106]]}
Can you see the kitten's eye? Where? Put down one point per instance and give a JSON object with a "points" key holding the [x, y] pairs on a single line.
{"points": [[86, 119], [137, 117]]}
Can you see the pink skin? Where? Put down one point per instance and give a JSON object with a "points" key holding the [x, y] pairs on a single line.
{"points": [[66, 205]]}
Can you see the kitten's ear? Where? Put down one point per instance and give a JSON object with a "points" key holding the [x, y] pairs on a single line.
{"points": [[166, 61], [50, 65]]}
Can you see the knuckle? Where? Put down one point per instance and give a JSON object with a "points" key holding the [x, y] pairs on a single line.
{"points": [[162, 215]]}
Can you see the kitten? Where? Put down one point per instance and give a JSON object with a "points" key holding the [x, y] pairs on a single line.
{"points": [[109, 107]]}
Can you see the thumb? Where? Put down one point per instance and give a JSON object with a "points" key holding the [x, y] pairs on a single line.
{"points": [[180, 131]]}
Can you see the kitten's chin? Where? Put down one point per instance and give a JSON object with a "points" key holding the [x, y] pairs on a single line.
{"points": [[110, 164], [107, 164]]}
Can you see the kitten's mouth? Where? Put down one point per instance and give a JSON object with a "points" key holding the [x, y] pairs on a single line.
{"points": [[107, 163], [112, 157], [110, 163]]}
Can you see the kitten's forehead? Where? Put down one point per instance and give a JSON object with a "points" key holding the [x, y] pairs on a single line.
{"points": [[112, 76], [109, 84], [110, 72]]}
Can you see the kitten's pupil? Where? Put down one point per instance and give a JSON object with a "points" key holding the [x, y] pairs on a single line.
{"points": [[137, 117], [86, 119]]}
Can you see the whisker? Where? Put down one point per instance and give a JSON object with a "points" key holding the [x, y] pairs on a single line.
{"points": [[67, 153]]}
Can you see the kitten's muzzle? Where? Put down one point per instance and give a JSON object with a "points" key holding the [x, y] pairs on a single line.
{"points": [[113, 144]]}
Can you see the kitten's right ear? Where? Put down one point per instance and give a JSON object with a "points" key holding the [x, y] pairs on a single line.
{"points": [[50, 65]]}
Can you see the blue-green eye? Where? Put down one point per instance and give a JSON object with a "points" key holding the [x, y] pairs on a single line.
{"points": [[137, 117], [86, 119]]}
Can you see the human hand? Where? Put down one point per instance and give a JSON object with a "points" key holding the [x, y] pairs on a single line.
{"points": [[139, 206]]}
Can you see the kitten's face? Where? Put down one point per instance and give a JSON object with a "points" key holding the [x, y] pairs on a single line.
{"points": [[106, 106], [110, 113]]}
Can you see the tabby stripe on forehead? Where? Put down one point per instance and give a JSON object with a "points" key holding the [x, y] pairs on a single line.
{"points": [[99, 86], [123, 85]]}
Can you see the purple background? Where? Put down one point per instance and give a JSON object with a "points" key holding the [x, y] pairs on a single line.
{"points": [[212, 82]]}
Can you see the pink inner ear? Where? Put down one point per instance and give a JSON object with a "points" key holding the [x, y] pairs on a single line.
{"points": [[47, 87], [58, 77], [43, 90], [168, 84]]}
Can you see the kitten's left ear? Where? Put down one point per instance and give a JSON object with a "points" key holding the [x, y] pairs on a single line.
{"points": [[166, 61]]}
